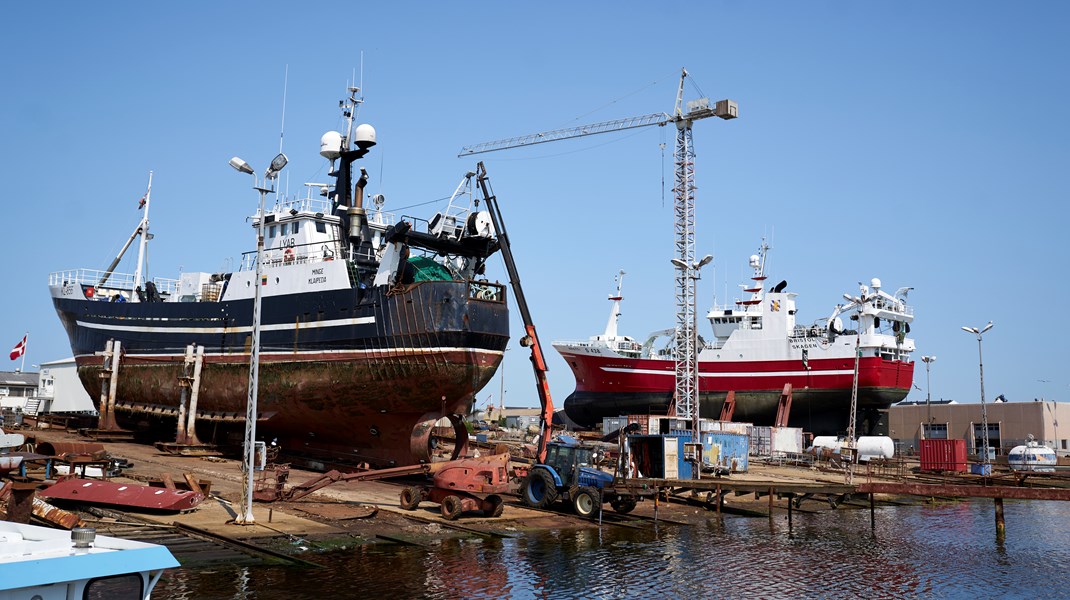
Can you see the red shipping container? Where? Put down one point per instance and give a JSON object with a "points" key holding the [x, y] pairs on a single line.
{"points": [[643, 421], [943, 455]]}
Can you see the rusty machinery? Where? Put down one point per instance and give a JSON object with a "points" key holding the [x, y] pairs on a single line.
{"points": [[464, 485]]}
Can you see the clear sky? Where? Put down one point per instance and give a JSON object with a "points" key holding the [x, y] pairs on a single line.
{"points": [[924, 143]]}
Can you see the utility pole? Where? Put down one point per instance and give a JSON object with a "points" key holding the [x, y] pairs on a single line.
{"points": [[928, 360], [986, 461]]}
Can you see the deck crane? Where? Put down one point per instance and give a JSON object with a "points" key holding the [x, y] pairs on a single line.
{"points": [[686, 396]]}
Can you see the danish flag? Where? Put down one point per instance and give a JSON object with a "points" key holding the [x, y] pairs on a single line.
{"points": [[19, 350]]}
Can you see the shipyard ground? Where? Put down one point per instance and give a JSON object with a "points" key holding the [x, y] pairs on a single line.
{"points": [[364, 512]]}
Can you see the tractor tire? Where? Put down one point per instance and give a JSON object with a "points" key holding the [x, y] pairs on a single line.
{"points": [[586, 502], [451, 508], [497, 506], [538, 489], [411, 497], [623, 504]]}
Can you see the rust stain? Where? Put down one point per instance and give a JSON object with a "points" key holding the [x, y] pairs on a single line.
{"points": [[56, 516]]}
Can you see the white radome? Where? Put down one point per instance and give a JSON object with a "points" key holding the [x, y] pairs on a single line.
{"points": [[331, 145]]}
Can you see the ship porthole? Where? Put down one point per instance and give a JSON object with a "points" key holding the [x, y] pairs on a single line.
{"points": [[374, 431]]}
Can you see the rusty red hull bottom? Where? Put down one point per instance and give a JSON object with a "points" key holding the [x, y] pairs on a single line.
{"points": [[376, 409]]}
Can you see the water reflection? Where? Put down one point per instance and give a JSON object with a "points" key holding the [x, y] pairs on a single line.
{"points": [[942, 551]]}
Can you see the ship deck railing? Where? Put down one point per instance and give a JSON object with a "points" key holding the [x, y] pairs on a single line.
{"points": [[314, 252], [123, 282], [323, 207], [880, 303], [804, 332]]}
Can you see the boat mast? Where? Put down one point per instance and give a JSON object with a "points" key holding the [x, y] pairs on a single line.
{"points": [[143, 228], [614, 314]]}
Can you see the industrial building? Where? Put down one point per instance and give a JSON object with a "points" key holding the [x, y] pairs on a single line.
{"points": [[1009, 424]]}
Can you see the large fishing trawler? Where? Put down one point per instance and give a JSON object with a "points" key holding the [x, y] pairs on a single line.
{"points": [[373, 327], [757, 347]]}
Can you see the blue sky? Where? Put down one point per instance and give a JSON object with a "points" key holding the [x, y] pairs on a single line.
{"points": [[922, 143]]}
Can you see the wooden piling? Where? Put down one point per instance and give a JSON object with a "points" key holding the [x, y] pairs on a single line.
{"points": [[1001, 527]]}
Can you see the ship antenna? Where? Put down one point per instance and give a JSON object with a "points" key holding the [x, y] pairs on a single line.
{"points": [[282, 126], [285, 85]]}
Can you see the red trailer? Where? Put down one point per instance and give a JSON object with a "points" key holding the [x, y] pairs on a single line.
{"points": [[943, 455]]}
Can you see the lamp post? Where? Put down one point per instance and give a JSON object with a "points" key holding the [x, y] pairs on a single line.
{"points": [[692, 271], [245, 516], [928, 360], [984, 413]]}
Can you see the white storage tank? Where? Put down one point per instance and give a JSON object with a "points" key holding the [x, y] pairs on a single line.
{"points": [[1032, 456], [869, 446]]}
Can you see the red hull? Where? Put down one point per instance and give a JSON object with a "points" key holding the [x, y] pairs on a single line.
{"points": [[597, 374], [610, 387]]}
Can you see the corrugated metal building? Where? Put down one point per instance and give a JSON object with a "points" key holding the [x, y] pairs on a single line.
{"points": [[1009, 424]]}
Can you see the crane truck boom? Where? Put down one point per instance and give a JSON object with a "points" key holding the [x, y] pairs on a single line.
{"points": [[531, 337]]}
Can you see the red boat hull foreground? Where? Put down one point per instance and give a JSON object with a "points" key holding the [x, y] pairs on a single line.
{"points": [[108, 493]]}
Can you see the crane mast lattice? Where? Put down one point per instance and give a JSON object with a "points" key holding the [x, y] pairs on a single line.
{"points": [[686, 395]]}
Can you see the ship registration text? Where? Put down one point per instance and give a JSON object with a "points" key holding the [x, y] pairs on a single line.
{"points": [[317, 277]]}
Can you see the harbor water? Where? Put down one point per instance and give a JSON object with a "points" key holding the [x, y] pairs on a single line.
{"points": [[947, 550]]}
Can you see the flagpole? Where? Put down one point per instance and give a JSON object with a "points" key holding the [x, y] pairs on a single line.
{"points": [[25, 343]]}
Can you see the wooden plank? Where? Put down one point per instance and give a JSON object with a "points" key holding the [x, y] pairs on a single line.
{"points": [[191, 480], [400, 540], [965, 491], [197, 531]]}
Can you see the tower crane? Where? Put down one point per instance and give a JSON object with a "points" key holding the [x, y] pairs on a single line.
{"points": [[686, 396]]}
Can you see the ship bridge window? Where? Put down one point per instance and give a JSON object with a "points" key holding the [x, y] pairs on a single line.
{"points": [[321, 227], [295, 228]]}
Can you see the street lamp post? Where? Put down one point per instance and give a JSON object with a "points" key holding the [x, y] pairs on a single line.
{"points": [[245, 516], [928, 360], [692, 271], [985, 461]]}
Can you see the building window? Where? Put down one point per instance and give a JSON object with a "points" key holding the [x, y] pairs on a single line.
{"points": [[994, 440], [937, 431]]}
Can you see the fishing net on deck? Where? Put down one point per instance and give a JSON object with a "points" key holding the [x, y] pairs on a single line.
{"points": [[425, 269]]}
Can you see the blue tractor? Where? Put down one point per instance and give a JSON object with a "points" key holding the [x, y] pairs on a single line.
{"points": [[569, 475]]}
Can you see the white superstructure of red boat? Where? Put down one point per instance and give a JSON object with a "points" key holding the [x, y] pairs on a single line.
{"points": [[756, 348]]}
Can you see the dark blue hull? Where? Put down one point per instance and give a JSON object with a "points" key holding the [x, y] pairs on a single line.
{"points": [[353, 370]]}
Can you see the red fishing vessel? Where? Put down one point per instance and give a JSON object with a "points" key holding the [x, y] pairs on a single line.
{"points": [[756, 348]]}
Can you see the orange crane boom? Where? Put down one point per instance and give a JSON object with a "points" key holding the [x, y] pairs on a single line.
{"points": [[531, 337]]}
